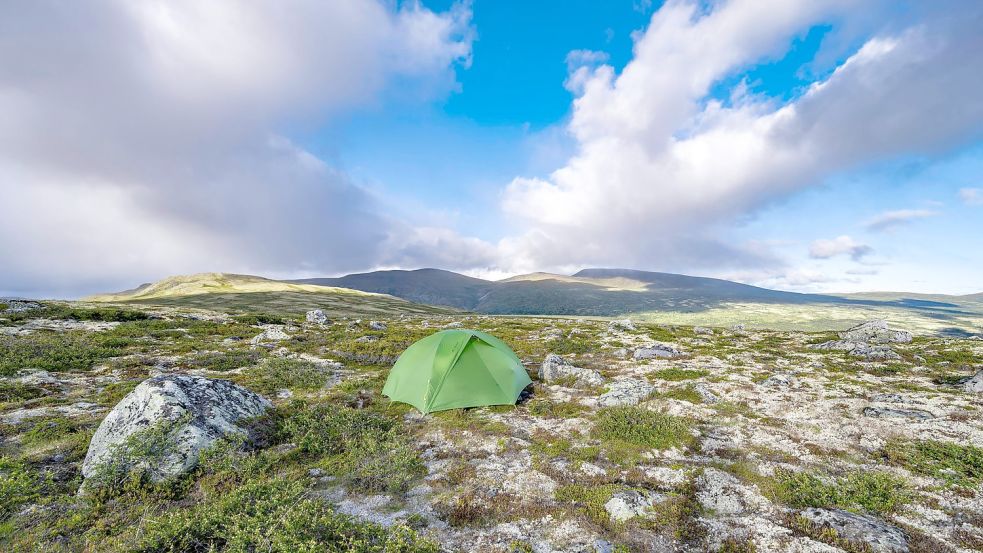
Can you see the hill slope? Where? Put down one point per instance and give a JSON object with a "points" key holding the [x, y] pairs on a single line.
{"points": [[246, 293]]}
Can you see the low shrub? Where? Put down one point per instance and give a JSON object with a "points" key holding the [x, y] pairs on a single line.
{"points": [[877, 492], [641, 428], [956, 464]]}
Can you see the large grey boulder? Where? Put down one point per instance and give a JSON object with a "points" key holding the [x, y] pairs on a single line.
{"points": [[875, 534], [183, 414], [657, 350], [556, 369], [878, 412]]}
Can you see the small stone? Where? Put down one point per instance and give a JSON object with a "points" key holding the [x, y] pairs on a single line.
{"points": [[455, 324], [875, 332], [706, 394], [623, 324], [376, 325], [271, 333], [316, 316], [284, 394], [887, 398], [779, 381], [556, 368], [315, 473], [628, 504], [702, 330]]}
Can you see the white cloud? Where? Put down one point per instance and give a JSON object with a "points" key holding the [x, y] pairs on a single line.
{"points": [[140, 138], [891, 219], [841, 245], [971, 196], [662, 171]]}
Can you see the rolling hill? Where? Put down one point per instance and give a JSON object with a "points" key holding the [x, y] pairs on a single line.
{"points": [[250, 294]]}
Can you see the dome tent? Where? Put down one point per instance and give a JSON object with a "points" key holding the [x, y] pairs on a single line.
{"points": [[458, 368]]}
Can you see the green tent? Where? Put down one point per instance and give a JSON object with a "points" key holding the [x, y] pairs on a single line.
{"points": [[456, 368]]}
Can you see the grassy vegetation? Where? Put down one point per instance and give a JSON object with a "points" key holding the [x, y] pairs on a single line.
{"points": [[956, 464], [628, 431], [75, 313], [278, 373], [223, 361], [589, 500], [18, 485], [877, 492], [66, 351], [674, 374]]}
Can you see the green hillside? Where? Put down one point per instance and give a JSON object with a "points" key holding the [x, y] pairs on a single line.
{"points": [[252, 294]]}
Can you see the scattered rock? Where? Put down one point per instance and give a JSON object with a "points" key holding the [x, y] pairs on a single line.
{"points": [[703, 330], [201, 411], [625, 392], [623, 324], [723, 494], [657, 350], [556, 368], [629, 504], [376, 325], [316, 316], [887, 398], [779, 381], [366, 339], [16, 306], [706, 394], [77, 409], [974, 384], [890, 412], [455, 324], [875, 332], [874, 533], [271, 333]]}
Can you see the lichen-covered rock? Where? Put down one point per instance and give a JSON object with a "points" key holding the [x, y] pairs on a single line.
{"points": [[623, 324], [625, 392], [706, 394], [891, 412], [779, 381], [875, 332], [875, 534], [316, 316], [657, 350], [271, 333], [376, 325], [192, 413], [629, 504], [974, 384], [702, 330], [723, 494], [557, 369]]}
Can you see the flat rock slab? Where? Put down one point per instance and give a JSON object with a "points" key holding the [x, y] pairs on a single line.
{"points": [[658, 350], [876, 534], [878, 412], [625, 392]]}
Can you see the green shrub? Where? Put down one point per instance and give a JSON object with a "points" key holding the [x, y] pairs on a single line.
{"points": [[878, 492], [259, 319], [99, 314], [17, 391], [67, 351], [277, 373], [368, 450], [18, 485], [675, 375], [631, 430], [590, 500], [683, 393], [272, 516], [543, 407], [223, 361], [959, 465]]}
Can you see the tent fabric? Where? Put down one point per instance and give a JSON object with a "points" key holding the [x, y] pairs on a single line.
{"points": [[457, 368]]}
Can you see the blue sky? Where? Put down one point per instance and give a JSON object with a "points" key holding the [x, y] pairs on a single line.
{"points": [[802, 145]]}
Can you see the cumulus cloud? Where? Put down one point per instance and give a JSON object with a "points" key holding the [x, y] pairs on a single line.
{"points": [[971, 196], [891, 219], [141, 139], [841, 245], [663, 170]]}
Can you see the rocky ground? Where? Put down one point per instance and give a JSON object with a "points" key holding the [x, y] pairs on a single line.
{"points": [[160, 429]]}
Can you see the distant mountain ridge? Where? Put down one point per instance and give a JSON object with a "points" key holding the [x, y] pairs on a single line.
{"points": [[597, 292]]}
